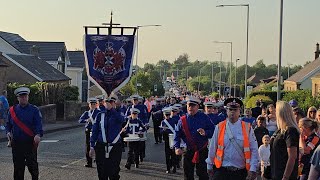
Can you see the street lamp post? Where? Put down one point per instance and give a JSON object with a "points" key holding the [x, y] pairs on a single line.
{"points": [[136, 71], [220, 73], [228, 42], [199, 81], [247, 50], [235, 78], [280, 51]]}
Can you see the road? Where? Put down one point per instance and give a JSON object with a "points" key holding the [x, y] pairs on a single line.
{"points": [[61, 157]]}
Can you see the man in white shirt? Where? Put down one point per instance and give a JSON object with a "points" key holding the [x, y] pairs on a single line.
{"points": [[233, 150]]}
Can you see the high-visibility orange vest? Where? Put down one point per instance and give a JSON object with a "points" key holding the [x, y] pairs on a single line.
{"points": [[149, 106], [246, 146]]}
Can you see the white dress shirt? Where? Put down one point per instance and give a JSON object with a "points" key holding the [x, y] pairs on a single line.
{"points": [[231, 156]]}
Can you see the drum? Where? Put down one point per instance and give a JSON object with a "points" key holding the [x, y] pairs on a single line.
{"points": [[132, 137], [171, 140], [143, 136]]}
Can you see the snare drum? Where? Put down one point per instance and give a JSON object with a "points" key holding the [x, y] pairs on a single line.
{"points": [[143, 136], [131, 138]]}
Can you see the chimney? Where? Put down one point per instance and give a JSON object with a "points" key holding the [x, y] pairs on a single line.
{"points": [[317, 53], [34, 50]]}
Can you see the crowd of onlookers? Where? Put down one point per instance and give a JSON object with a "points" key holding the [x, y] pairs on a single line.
{"points": [[287, 139]]}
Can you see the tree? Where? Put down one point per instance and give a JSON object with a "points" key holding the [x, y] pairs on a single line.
{"points": [[182, 61]]}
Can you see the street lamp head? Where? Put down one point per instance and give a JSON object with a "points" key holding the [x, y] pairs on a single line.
{"points": [[220, 5]]}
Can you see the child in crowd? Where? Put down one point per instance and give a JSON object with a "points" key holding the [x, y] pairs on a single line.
{"points": [[264, 156], [261, 129]]}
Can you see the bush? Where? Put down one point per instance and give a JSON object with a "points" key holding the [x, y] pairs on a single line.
{"points": [[304, 98], [251, 103], [44, 93], [271, 94]]}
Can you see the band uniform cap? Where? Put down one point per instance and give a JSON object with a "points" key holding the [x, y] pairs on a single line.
{"points": [[92, 100], [174, 108], [183, 102], [209, 104], [135, 97], [192, 99], [167, 110], [158, 99], [178, 105], [100, 97], [112, 97], [233, 103], [21, 90], [134, 111], [219, 104]]}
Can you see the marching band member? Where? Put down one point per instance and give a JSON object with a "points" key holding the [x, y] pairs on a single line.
{"points": [[24, 129], [194, 128], [106, 144], [233, 150], [143, 116], [157, 117], [101, 105], [211, 110], [168, 126], [88, 117], [134, 125]]}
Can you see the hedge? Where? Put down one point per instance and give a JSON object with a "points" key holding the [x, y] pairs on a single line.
{"points": [[42, 93], [251, 103]]}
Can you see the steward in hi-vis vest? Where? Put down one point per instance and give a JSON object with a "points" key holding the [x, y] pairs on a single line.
{"points": [[233, 150]]}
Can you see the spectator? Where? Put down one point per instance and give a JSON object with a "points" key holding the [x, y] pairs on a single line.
{"points": [[256, 111], [248, 117], [284, 144], [309, 141], [315, 165], [312, 111], [4, 107], [264, 156], [298, 113], [261, 129], [271, 119]]}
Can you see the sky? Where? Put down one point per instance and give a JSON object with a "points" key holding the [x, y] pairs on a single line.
{"points": [[187, 26]]}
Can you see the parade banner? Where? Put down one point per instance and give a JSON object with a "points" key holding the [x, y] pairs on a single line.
{"points": [[109, 60]]}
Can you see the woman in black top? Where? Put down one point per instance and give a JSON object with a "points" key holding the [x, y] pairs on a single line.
{"points": [[285, 144], [309, 141]]}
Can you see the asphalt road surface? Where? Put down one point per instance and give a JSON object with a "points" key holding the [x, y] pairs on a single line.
{"points": [[62, 157]]}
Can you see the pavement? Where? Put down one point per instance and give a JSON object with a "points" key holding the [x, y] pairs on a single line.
{"points": [[50, 128]]}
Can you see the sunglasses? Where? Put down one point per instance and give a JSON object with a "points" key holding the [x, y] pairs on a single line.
{"points": [[232, 109]]}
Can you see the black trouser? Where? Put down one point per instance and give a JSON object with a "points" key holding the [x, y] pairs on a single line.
{"points": [[225, 174], [171, 157], [156, 132], [24, 154], [201, 167], [108, 167], [142, 149], [89, 159], [133, 153]]}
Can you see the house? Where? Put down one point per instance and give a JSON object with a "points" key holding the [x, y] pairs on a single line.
{"points": [[22, 67], [76, 71], [54, 53], [315, 85], [302, 78]]}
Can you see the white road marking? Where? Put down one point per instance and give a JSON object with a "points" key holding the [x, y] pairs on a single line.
{"points": [[49, 141], [73, 162]]}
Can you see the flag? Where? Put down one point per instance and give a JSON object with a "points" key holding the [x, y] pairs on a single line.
{"points": [[109, 60]]}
